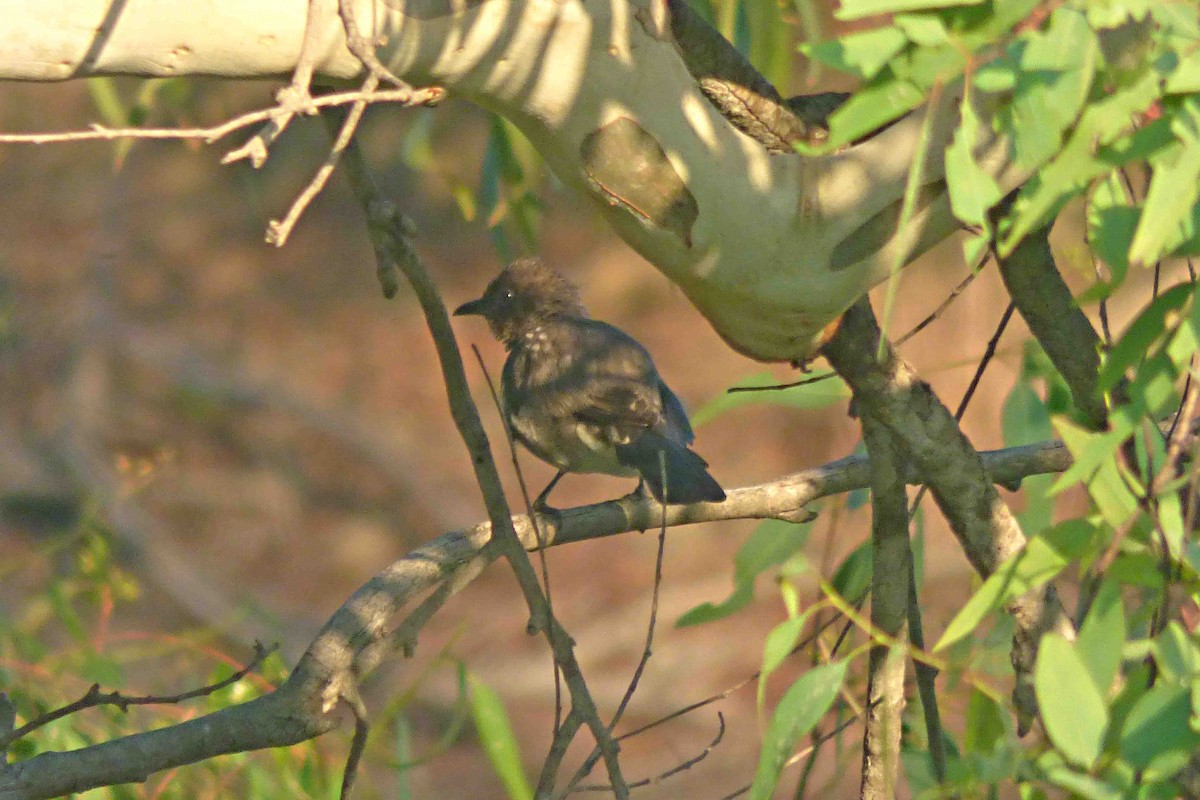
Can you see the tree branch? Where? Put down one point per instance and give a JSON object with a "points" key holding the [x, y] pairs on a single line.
{"points": [[889, 613], [770, 245], [887, 389], [357, 637], [1062, 329]]}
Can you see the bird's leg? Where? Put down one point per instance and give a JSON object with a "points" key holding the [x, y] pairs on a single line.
{"points": [[539, 505], [640, 492]]}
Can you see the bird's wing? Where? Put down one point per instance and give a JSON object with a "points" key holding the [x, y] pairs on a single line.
{"points": [[678, 426], [619, 385]]}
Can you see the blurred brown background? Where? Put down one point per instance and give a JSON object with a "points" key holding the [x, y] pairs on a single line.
{"points": [[265, 431]]}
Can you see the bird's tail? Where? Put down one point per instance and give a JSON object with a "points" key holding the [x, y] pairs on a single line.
{"points": [[687, 478]]}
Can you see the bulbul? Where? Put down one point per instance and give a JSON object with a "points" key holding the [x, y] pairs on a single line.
{"points": [[581, 394]]}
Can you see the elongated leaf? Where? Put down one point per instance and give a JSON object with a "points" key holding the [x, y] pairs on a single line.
{"points": [[1174, 190], [801, 707], [498, 740], [779, 644], [1073, 707], [1057, 66], [1158, 726], [857, 9], [1111, 220], [870, 109], [1102, 635], [972, 190], [1042, 558], [772, 543], [863, 53]]}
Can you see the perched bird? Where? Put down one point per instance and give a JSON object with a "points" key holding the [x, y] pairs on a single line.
{"points": [[581, 394]]}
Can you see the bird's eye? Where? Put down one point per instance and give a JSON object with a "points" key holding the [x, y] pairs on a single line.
{"points": [[507, 295]]}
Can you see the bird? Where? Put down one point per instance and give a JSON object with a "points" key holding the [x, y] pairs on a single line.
{"points": [[584, 396]]}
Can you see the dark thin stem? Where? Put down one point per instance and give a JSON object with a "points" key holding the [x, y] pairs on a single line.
{"points": [[533, 518], [675, 770], [94, 697], [941, 309], [358, 744]]}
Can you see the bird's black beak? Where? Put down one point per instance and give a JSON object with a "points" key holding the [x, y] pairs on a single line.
{"points": [[473, 307]]}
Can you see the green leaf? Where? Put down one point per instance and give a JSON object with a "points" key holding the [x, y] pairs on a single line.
{"points": [[1102, 635], [853, 575], [772, 543], [863, 53], [1157, 726], [857, 9], [1024, 418], [926, 30], [820, 394], [801, 707], [498, 740], [779, 645], [1089, 451], [1176, 654], [1082, 786], [972, 190], [1101, 123], [1057, 66], [871, 108], [1174, 190], [1042, 558], [987, 724], [1073, 707], [1151, 324], [1111, 222]]}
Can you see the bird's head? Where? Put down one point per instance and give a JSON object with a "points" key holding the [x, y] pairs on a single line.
{"points": [[525, 295]]}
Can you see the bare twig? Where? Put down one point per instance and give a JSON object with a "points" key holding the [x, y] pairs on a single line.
{"points": [[279, 230], [590, 762], [94, 697], [292, 99], [214, 133], [936, 314], [356, 637], [363, 47], [920, 326], [675, 770], [358, 744], [799, 754], [390, 238], [562, 736]]}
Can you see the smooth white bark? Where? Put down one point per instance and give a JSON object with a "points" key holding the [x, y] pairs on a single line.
{"points": [[768, 247]]}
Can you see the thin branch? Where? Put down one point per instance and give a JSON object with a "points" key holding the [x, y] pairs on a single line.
{"points": [[389, 235], [94, 697], [545, 568], [936, 314], [356, 637], [675, 770], [358, 744], [363, 48], [278, 231], [817, 742], [927, 434], [1056, 320], [589, 763], [292, 99], [208, 135], [889, 605], [920, 326]]}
